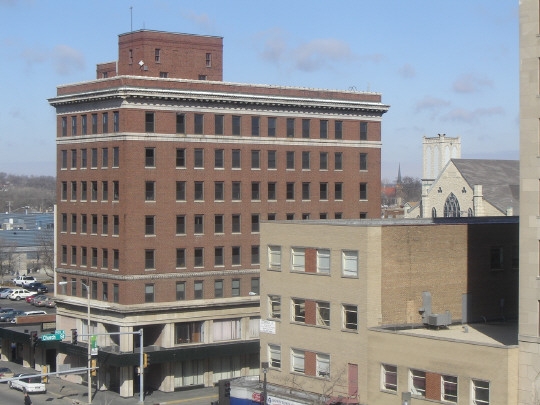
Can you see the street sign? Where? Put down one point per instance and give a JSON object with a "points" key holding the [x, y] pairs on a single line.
{"points": [[60, 332], [50, 337]]}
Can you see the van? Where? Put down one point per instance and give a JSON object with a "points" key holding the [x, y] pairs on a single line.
{"points": [[30, 313]]}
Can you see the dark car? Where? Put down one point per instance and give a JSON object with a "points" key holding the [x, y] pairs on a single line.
{"points": [[38, 287], [9, 316]]}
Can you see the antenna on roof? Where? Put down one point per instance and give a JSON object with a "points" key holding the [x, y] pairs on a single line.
{"points": [[131, 17]]}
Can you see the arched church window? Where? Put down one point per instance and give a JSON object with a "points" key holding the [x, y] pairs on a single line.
{"points": [[433, 212], [470, 213], [451, 206]]}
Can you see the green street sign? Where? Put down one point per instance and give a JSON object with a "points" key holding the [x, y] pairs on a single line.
{"points": [[60, 332], [51, 337]]}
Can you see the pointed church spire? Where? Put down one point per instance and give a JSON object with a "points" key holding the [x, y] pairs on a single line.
{"points": [[399, 174]]}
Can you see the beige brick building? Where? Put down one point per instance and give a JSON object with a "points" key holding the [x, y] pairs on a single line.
{"points": [[165, 173], [342, 305]]}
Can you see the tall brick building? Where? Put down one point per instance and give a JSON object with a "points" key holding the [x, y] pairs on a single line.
{"points": [[164, 174]]}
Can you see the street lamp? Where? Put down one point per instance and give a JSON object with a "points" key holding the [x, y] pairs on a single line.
{"points": [[264, 365], [89, 346]]}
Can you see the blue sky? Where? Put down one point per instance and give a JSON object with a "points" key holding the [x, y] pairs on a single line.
{"points": [[443, 67]]}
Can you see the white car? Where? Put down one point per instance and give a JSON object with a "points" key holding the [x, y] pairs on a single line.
{"points": [[22, 281], [20, 293], [30, 384]]}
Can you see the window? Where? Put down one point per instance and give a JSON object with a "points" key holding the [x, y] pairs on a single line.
{"points": [[64, 126], [235, 255], [64, 159], [272, 191], [64, 191], [198, 158], [64, 254], [297, 361], [84, 124], [417, 382], [180, 290], [64, 222], [274, 356], [218, 191], [227, 329], [236, 125], [338, 161], [480, 392], [73, 223], [149, 293], [73, 158], [236, 163], [116, 259], [180, 258], [218, 224], [449, 388], [94, 158], [105, 122], [180, 124], [198, 124], [94, 123], [104, 224], [73, 191], [157, 55], [150, 191], [363, 131], [180, 158], [305, 160], [149, 225], [104, 191], [255, 191], [349, 263], [149, 259], [73, 126], [218, 124], [323, 129], [274, 257], [290, 159], [323, 261], [104, 157], [363, 191], [235, 223], [149, 122], [235, 287], [305, 128], [298, 310], [496, 258], [322, 365], [255, 126], [116, 191], [274, 306], [116, 293], [388, 377], [255, 285], [84, 256], [363, 161], [290, 191], [116, 225], [198, 289], [323, 313], [323, 191], [218, 289], [93, 190], [338, 191], [94, 224], [104, 258], [199, 224], [149, 157], [271, 159], [84, 159], [116, 156], [84, 190], [255, 258], [255, 159], [236, 191], [350, 317], [305, 191], [272, 126], [290, 127], [338, 129], [323, 161], [208, 59], [254, 223], [116, 121], [289, 216], [199, 191], [199, 257], [189, 332], [180, 191], [73, 255], [218, 257], [218, 159]]}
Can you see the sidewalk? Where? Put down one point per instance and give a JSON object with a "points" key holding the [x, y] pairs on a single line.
{"points": [[71, 393]]}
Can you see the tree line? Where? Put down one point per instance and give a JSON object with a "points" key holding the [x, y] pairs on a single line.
{"points": [[32, 193]]}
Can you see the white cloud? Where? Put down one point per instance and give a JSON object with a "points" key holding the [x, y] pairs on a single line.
{"points": [[407, 71], [67, 60], [431, 103], [320, 53], [471, 116], [469, 83]]}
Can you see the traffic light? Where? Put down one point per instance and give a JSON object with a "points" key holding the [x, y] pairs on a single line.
{"points": [[93, 373], [227, 389], [74, 336], [146, 360], [34, 339]]}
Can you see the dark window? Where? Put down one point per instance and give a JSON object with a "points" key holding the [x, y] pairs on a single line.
{"points": [[180, 124], [180, 191], [73, 126], [496, 258], [150, 191], [94, 123], [199, 191], [84, 190], [149, 293], [218, 284], [116, 293], [73, 158], [271, 126], [64, 190], [255, 282], [363, 161], [208, 60], [236, 163], [93, 190], [105, 291], [199, 257], [116, 121], [116, 156], [218, 124], [290, 127], [255, 126], [94, 158], [64, 222], [338, 191], [305, 191], [338, 161], [116, 225], [105, 122], [338, 129], [199, 119], [105, 224], [218, 256], [255, 159], [73, 223], [116, 259], [84, 124], [180, 224], [218, 223], [157, 55], [199, 158], [236, 125], [64, 159], [323, 131], [236, 260], [271, 191], [73, 190], [218, 158], [323, 161], [105, 157], [150, 157], [255, 191], [254, 223], [199, 224], [363, 131], [180, 290], [198, 290], [305, 128], [84, 158], [149, 225], [305, 160], [271, 159], [94, 224], [290, 191], [64, 126], [236, 223], [116, 190], [180, 257], [290, 159], [363, 191], [149, 259], [255, 257], [218, 191], [323, 191], [236, 190], [180, 158]]}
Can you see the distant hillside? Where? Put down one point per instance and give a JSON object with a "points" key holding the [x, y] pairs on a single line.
{"points": [[38, 193]]}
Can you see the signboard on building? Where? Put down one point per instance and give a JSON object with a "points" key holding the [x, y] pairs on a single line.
{"points": [[267, 326]]}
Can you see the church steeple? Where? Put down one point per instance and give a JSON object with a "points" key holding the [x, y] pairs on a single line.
{"points": [[399, 188], [399, 174]]}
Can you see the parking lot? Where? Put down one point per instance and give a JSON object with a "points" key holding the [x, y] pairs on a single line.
{"points": [[24, 306]]}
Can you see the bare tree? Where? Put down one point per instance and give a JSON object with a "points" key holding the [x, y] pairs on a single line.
{"points": [[45, 241], [412, 189], [7, 258]]}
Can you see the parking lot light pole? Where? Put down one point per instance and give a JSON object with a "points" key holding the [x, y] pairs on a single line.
{"points": [[88, 342]]}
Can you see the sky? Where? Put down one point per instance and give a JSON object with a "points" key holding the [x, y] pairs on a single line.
{"points": [[443, 67]]}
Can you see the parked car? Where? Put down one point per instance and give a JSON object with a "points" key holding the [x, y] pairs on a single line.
{"points": [[6, 373], [4, 294], [42, 302], [19, 294], [29, 384], [50, 303], [9, 316], [39, 287], [31, 300], [28, 313], [23, 281], [4, 310]]}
